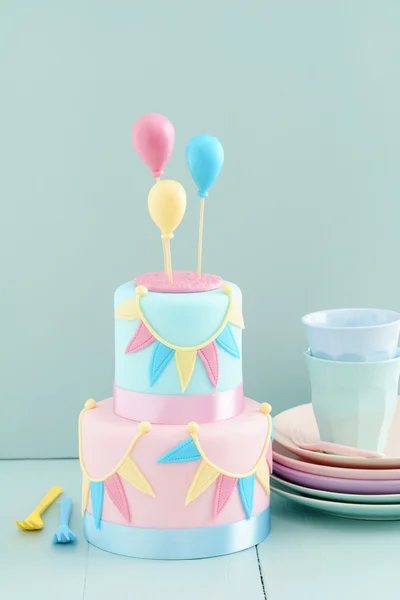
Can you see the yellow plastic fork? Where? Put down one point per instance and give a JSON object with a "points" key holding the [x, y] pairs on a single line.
{"points": [[34, 521]]}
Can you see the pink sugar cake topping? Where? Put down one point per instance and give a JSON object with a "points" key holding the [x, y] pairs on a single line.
{"points": [[182, 281]]}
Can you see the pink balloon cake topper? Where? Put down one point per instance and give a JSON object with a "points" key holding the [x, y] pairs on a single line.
{"points": [[153, 137]]}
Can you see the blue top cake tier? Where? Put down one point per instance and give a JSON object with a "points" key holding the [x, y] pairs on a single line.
{"points": [[178, 344]]}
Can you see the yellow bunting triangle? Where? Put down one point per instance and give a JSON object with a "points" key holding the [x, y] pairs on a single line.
{"points": [[262, 474], [235, 314], [133, 475], [128, 310], [85, 492], [204, 477], [185, 361]]}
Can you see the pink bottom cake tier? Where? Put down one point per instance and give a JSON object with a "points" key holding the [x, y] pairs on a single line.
{"points": [[175, 491]]}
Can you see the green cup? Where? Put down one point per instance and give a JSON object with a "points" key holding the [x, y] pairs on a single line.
{"points": [[354, 403]]}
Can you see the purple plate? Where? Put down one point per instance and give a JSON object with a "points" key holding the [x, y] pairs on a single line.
{"points": [[334, 484]]}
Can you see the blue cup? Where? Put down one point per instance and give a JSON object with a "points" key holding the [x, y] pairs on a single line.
{"points": [[354, 402], [353, 334]]}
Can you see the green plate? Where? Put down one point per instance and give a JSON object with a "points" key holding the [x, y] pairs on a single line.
{"points": [[364, 512], [337, 496]]}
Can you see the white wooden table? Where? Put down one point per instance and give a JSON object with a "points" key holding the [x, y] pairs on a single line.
{"points": [[308, 556]]}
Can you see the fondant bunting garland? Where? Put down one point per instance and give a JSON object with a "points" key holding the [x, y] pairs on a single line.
{"points": [[189, 450], [235, 314], [159, 360], [128, 310], [116, 492], [269, 455], [85, 491], [262, 475], [130, 472], [133, 475], [207, 473], [223, 491], [185, 358], [246, 491], [204, 477], [209, 357], [140, 340], [97, 496], [186, 451], [185, 361], [126, 469], [226, 340]]}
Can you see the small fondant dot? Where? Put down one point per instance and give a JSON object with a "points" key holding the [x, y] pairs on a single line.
{"points": [[141, 290], [144, 427], [193, 427], [265, 408], [89, 404]]}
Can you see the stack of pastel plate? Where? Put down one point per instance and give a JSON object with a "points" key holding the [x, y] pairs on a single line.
{"points": [[357, 486]]}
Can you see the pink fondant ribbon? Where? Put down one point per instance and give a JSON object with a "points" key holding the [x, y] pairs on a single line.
{"points": [[178, 410]]}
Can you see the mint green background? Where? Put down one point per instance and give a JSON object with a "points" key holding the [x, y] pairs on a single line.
{"points": [[305, 98]]}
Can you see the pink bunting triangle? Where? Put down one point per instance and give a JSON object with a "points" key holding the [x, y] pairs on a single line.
{"points": [[269, 456], [209, 358], [115, 490], [223, 491], [141, 339]]}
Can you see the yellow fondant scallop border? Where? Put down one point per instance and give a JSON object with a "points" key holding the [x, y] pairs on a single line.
{"points": [[193, 429], [131, 310], [143, 428]]}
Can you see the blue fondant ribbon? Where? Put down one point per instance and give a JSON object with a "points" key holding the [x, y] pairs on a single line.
{"points": [[179, 544]]}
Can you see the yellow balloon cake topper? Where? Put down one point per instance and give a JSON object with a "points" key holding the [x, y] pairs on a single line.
{"points": [[167, 206]]}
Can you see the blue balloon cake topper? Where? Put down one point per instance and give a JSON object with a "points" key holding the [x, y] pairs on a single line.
{"points": [[205, 157]]}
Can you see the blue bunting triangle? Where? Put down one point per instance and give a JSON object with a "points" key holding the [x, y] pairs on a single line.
{"points": [[161, 357], [227, 341], [186, 451], [246, 491], [97, 495]]}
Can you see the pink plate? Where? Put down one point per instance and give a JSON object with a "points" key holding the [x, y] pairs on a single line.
{"points": [[333, 484], [288, 459], [300, 420], [182, 282]]}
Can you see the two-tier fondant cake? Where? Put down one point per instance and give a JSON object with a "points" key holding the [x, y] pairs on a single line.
{"points": [[176, 464]]}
